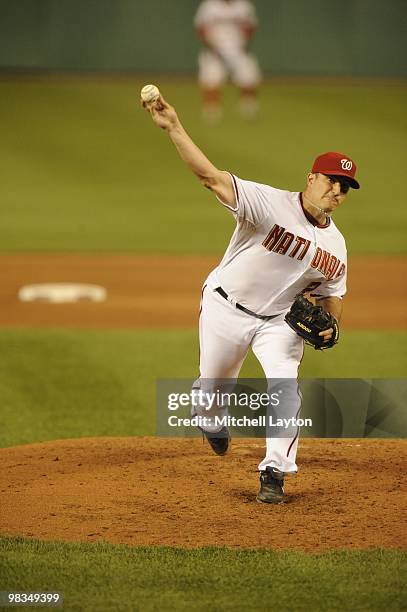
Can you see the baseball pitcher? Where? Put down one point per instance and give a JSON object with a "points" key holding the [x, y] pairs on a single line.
{"points": [[285, 245]]}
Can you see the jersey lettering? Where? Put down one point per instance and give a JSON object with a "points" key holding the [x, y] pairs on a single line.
{"points": [[340, 271], [305, 249], [300, 242], [284, 243], [273, 237], [327, 264], [333, 266], [324, 262], [279, 241]]}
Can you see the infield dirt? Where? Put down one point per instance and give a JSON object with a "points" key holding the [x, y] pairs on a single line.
{"points": [[163, 290], [149, 491]]}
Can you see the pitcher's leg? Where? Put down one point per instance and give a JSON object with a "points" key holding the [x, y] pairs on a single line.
{"points": [[282, 440], [280, 351], [224, 336]]}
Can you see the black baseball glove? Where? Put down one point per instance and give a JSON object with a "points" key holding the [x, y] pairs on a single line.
{"points": [[308, 320]]}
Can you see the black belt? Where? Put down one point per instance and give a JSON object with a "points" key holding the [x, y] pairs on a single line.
{"points": [[223, 293]]}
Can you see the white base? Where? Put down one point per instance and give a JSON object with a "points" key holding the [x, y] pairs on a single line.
{"points": [[62, 293]]}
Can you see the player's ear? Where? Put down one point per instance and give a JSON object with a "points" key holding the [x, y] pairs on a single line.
{"points": [[311, 178]]}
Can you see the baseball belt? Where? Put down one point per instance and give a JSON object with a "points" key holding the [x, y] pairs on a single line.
{"points": [[223, 293]]}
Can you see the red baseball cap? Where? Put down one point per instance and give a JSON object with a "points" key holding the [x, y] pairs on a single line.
{"points": [[337, 164]]}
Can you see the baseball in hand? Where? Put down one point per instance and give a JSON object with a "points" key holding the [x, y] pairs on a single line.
{"points": [[150, 93]]}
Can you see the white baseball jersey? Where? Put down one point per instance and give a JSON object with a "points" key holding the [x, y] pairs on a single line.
{"points": [[223, 21], [277, 252]]}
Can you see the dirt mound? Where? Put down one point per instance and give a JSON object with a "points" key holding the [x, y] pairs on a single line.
{"points": [[150, 491]]}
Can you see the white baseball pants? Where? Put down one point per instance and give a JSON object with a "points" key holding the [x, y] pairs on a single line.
{"points": [[241, 66], [225, 336]]}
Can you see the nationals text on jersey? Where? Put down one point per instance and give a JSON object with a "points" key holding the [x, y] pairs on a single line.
{"points": [[279, 241]]}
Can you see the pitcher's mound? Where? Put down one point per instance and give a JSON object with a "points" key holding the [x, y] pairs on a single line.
{"points": [[150, 491]]}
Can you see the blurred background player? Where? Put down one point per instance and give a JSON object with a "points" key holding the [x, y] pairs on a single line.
{"points": [[226, 27]]}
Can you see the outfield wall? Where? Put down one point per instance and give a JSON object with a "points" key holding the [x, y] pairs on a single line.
{"points": [[352, 37]]}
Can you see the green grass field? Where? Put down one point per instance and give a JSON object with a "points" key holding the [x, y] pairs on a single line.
{"points": [[67, 384], [84, 168], [104, 577]]}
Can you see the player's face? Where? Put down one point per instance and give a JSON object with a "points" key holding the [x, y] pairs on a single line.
{"points": [[327, 191]]}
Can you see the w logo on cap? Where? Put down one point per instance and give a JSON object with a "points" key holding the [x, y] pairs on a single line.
{"points": [[336, 163], [346, 164]]}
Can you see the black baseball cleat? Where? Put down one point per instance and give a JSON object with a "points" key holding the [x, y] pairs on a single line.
{"points": [[219, 441], [271, 486]]}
